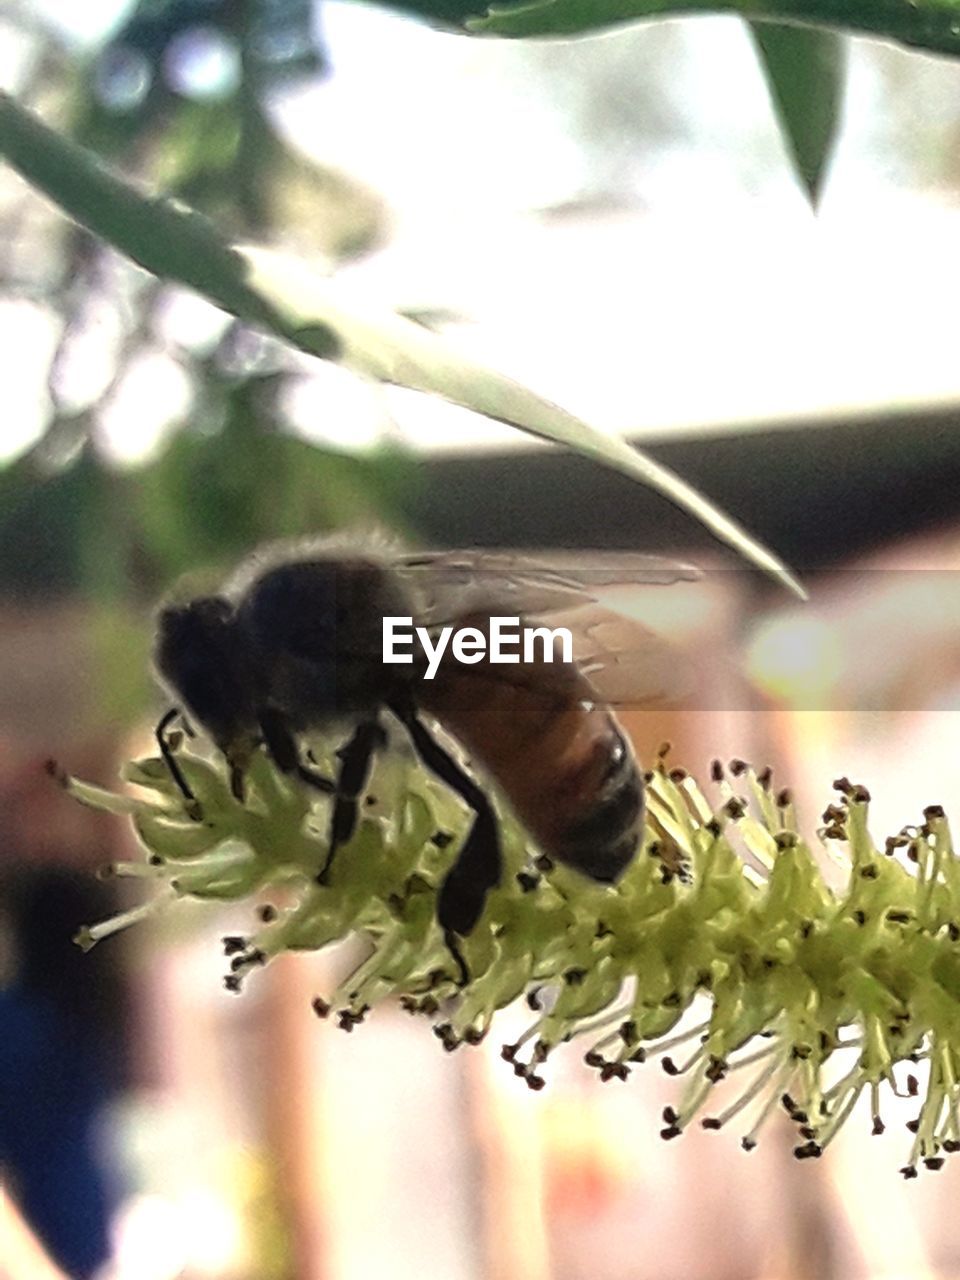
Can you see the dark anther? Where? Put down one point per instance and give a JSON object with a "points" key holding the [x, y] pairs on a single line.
{"points": [[677, 775], [860, 917], [784, 798], [320, 1007], [671, 1131], [628, 1031], [533, 1000], [614, 1071], [909, 1171], [573, 977], [870, 871], [716, 771], [671, 1001], [748, 1144], [267, 913], [508, 1052], [710, 1122], [913, 1125], [738, 767], [670, 1067], [442, 838], [233, 944], [878, 1127], [716, 1069], [933, 1163], [593, 1059], [809, 1151], [735, 808], [232, 983]]}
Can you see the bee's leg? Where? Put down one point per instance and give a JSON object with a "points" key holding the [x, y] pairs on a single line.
{"points": [[479, 865], [356, 759], [282, 747], [191, 803]]}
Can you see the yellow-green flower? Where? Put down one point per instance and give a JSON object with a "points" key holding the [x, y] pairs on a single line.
{"points": [[808, 995]]}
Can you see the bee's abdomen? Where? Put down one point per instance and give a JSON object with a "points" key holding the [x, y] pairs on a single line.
{"points": [[603, 841], [559, 756]]}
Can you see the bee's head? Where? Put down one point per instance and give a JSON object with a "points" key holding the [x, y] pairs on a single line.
{"points": [[201, 655]]}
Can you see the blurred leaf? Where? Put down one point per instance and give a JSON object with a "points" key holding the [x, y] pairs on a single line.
{"points": [[926, 24], [211, 496], [806, 72], [284, 297], [59, 531], [120, 688]]}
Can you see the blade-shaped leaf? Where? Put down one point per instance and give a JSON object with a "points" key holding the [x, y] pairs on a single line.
{"points": [[927, 24], [283, 296], [805, 70]]}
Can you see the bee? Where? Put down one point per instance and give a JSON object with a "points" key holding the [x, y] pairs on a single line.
{"points": [[294, 644]]}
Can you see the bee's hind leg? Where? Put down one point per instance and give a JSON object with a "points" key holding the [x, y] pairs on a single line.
{"points": [[479, 865], [356, 760]]}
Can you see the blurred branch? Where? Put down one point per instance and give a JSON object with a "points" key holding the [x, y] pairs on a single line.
{"points": [[282, 296]]}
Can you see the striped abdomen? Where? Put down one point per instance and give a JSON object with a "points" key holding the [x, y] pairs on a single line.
{"points": [[560, 757]]}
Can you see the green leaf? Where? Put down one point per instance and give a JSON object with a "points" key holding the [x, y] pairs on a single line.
{"points": [[805, 71], [282, 295], [927, 24]]}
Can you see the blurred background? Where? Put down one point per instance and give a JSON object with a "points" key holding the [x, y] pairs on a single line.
{"points": [[614, 222]]}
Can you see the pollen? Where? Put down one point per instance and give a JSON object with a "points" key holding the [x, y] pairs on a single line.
{"points": [[748, 979]]}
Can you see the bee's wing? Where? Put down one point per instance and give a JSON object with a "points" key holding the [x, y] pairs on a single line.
{"points": [[449, 585], [626, 661]]}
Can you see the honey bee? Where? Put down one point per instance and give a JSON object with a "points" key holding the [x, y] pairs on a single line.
{"points": [[294, 644]]}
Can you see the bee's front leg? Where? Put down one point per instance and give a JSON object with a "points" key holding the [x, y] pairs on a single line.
{"points": [[356, 760], [167, 748]]}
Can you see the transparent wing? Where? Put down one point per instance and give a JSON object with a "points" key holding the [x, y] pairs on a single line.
{"points": [[625, 660], [451, 584]]}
